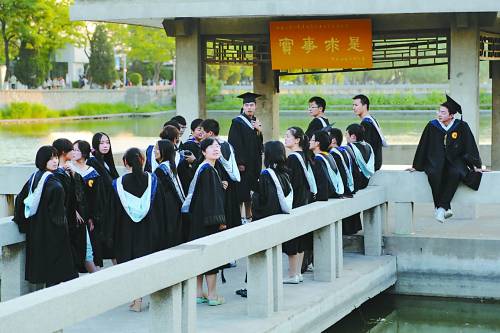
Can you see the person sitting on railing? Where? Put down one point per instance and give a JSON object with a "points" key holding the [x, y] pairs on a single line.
{"points": [[138, 213], [204, 206], [304, 189], [326, 172], [448, 154], [164, 152], [39, 213]]}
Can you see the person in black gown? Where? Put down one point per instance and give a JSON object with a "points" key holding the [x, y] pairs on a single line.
{"points": [[138, 213], [174, 195], [49, 258], [448, 154], [317, 107], [304, 188], [204, 206], [102, 161], [75, 202], [245, 135], [342, 160], [192, 144], [361, 159], [92, 186], [327, 175], [228, 171], [373, 133]]}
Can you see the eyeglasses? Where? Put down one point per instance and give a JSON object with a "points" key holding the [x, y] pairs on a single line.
{"points": [[312, 107]]}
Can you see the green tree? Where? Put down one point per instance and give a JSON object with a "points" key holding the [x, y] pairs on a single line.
{"points": [[102, 59], [31, 68], [150, 45]]}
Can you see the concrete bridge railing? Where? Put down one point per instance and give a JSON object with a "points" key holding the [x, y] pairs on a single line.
{"points": [[405, 189], [173, 291]]}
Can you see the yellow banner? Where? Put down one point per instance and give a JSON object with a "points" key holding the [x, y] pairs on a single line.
{"points": [[321, 44]]}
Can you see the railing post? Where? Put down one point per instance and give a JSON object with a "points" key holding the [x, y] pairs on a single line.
{"points": [[12, 267], [166, 310], [372, 224], [277, 277], [189, 306], [324, 248], [339, 250], [403, 218], [260, 284]]}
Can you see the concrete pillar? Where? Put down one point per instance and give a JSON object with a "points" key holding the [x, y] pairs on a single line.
{"points": [[260, 284], [6, 205], [464, 67], [339, 250], [268, 104], [495, 120], [189, 75], [12, 267], [277, 278], [189, 306], [324, 248], [165, 310], [403, 218], [372, 225]]}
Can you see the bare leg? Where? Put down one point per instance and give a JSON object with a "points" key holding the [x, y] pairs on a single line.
{"points": [[292, 265], [199, 286], [212, 285], [300, 258], [248, 209], [91, 267]]}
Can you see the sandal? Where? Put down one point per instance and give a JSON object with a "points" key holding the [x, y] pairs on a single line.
{"points": [[201, 300], [216, 301]]}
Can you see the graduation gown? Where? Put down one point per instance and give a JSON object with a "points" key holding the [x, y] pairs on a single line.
{"points": [[340, 160], [315, 125], [326, 188], [193, 146], [94, 190], [265, 201], [447, 157], [49, 257], [231, 202], [75, 200], [204, 203], [173, 201], [150, 165], [131, 239], [301, 197], [247, 144], [105, 195], [373, 138], [352, 224]]}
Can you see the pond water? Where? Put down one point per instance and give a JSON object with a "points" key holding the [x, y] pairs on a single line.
{"points": [[20, 141], [412, 314]]}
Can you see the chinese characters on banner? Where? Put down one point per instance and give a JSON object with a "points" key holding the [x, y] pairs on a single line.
{"points": [[321, 44]]}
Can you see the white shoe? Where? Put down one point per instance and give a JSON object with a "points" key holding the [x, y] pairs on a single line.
{"points": [[301, 278], [448, 213], [291, 280], [439, 215], [310, 268], [244, 221]]}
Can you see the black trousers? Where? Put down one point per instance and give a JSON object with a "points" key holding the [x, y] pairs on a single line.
{"points": [[444, 186]]}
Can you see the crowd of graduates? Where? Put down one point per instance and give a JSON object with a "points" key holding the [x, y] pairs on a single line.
{"points": [[77, 211]]}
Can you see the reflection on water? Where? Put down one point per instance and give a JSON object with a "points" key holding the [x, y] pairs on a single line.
{"points": [[411, 314], [21, 140]]}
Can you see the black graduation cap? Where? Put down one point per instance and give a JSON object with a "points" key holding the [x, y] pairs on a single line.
{"points": [[452, 105], [249, 97]]}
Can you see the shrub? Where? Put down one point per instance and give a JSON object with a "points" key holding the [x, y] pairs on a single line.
{"points": [[135, 78]]}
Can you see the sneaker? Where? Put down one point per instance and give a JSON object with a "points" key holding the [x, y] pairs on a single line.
{"points": [[232, 264], [301, 278], [439, 215], [244, 221], [310, 268], [448, 213], [241, 292], [291, 280]]}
